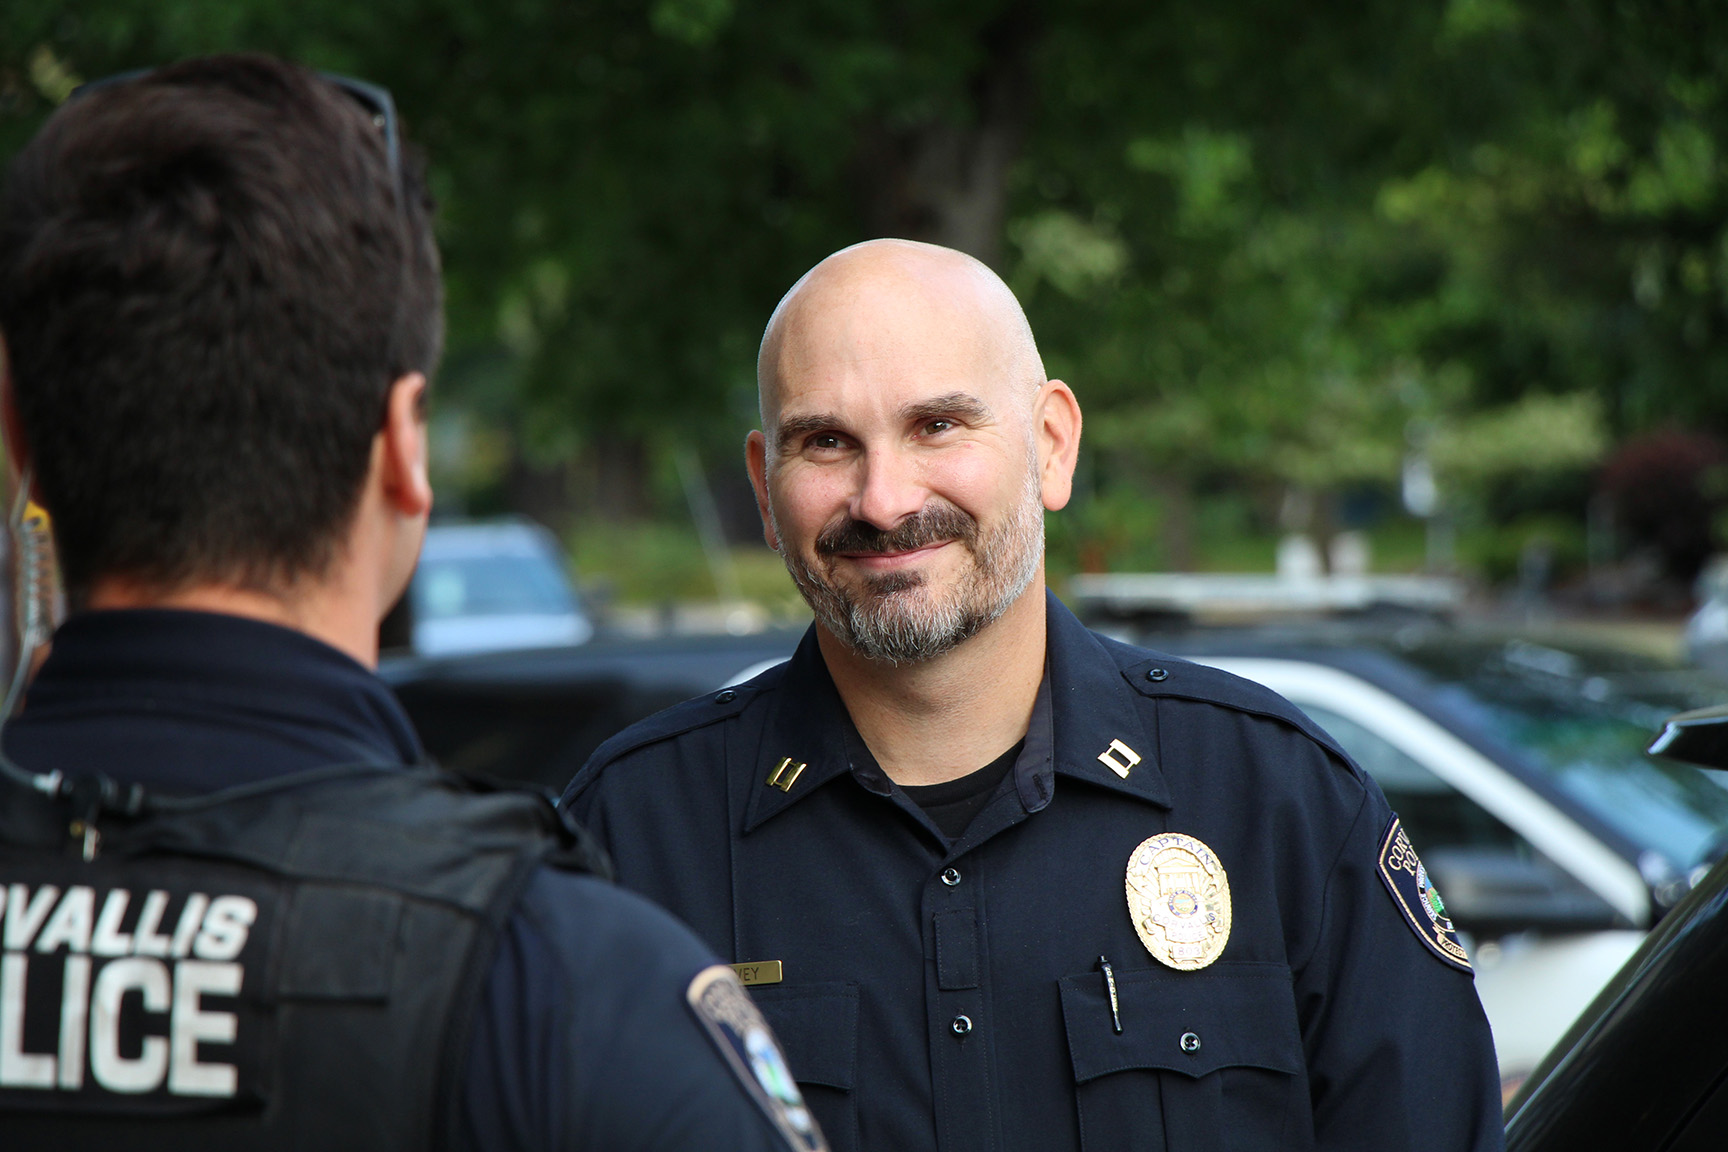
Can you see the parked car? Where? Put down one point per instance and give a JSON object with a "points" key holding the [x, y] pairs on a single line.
{"points": [[492, 586], [1645, 1067]]}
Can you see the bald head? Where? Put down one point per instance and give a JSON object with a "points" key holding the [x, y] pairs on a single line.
{"points": [[887, 297]]}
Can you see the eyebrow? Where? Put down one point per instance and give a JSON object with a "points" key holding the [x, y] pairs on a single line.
{"points": [[960, 404], [798, 427]]}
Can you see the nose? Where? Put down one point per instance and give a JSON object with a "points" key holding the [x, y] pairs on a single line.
{"points": [[889, 489]]}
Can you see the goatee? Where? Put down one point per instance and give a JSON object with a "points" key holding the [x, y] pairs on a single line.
{"points": [[898, 617]]}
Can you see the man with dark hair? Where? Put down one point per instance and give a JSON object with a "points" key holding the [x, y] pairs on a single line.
{"points": [[1000, 882], [234, 912]]}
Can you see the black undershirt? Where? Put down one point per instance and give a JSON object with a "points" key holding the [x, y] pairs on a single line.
{"points": [[953, 803]]}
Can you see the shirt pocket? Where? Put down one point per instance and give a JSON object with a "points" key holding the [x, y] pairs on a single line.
{"points": [[817, 1025], [1205, 1061]]}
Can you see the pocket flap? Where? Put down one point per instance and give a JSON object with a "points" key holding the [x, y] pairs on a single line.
{"points": [[1228, 1015], [818, 1029]]}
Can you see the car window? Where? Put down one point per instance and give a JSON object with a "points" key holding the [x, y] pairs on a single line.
{"points": [[1656, 803], [1502, 884], [1584, 717], [496, 585], [1435, 813]]}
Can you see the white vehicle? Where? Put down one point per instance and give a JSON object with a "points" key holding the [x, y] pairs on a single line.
{"points": [[493, 586]]}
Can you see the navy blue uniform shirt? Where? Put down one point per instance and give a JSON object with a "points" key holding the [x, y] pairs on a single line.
{"points": [[582, 1039], [940, 994]]}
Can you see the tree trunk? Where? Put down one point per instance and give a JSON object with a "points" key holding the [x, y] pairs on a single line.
{"points": [[1176, 520], [945, 181]]}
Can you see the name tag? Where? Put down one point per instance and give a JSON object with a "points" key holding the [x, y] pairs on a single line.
{"points": [[759, 972]]}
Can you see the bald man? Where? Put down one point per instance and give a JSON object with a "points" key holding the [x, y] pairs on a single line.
{"points": [[996, 881]]}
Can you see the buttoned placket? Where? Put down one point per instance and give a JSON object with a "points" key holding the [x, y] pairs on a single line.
{"points": [[958, 1021], [959, 1015]]}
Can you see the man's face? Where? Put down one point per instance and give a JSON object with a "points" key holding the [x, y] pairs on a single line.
{"points": [[901, 477]]}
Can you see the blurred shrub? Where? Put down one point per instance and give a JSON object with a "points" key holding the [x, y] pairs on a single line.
{"points": [[652, 562], [1506, 553], [1113, 531], [1666, 492]]}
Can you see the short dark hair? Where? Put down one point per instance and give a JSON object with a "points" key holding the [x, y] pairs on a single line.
{"points": [[207, 288]]}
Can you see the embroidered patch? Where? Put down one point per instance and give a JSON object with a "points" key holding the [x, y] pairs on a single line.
{"points": [[736, 1026], [1414, 893]]}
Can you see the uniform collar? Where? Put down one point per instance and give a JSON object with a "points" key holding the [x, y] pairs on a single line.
{"points": [[1086, 707], [809, 739], [156, 682], [1095, 707]]}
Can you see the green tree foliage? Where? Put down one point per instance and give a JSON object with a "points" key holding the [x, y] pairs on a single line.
{"points": [[1286, 242]]}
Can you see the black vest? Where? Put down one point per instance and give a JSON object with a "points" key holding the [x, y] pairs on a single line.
{"points": [[292, 965]]}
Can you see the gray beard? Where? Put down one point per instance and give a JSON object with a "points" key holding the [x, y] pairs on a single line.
{"points": [[899, 619]]}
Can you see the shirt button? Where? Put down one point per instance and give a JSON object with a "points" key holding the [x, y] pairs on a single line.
{"points": [[950, 876], [725, 696], [1157, 674], [1190, 1042], [962, 1025]]}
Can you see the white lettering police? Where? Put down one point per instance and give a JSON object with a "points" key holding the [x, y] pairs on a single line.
{"points": [[170, 959]]}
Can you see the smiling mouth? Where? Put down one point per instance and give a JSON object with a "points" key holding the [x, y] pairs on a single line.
{"points": [[879, 560]]}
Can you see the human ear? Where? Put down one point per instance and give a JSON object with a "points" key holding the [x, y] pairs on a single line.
{"points": [[756, 463], [1057, 420], [406, 486]]}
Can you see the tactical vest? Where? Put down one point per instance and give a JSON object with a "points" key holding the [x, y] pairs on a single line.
{"points": [[291, 965]]}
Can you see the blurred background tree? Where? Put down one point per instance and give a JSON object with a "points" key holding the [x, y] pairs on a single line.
{"points": [[1294, 260]]}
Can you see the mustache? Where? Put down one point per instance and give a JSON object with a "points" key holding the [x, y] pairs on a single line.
{"points": [[932, 524]]}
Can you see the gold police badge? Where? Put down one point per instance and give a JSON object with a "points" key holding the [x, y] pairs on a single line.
{"points": [[1179, 898]]}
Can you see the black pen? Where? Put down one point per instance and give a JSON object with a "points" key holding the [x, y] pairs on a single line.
{"points": [[1110, 988]]}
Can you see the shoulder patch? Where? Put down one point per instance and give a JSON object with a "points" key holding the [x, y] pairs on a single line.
{"points": [[1413, 891], [737, 1028]]}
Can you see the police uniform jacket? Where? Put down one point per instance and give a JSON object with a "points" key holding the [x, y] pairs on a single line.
{"points": [[544, 1011], [951, 995]]}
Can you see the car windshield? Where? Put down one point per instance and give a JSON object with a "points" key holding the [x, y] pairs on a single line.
{"points": [[449, 587], [1584, 716]]}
